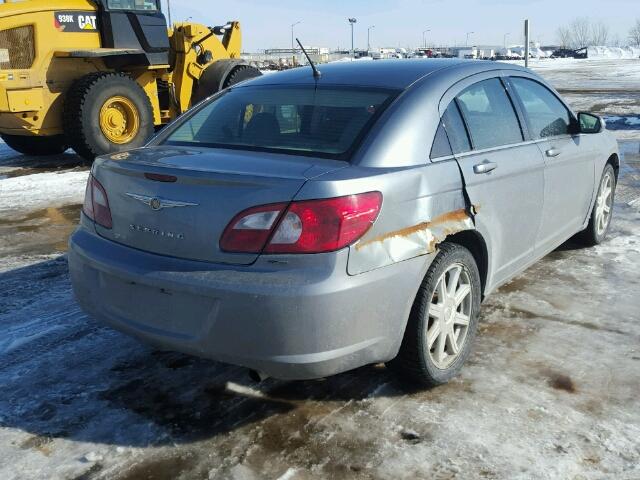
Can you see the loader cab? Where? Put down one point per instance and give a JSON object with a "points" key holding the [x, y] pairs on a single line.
{"points": [[136, 25]]}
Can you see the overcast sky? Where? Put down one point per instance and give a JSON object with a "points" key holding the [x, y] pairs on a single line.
{"points": [[267, 23]]}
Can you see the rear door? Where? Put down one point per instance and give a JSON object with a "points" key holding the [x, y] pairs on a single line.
{"points": [[503, 175], [569, 172]]}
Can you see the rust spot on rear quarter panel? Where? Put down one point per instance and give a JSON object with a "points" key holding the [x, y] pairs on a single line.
{"points": [[450, 223]]}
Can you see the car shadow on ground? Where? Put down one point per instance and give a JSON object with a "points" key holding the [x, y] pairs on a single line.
{"points": [[573, 244], [79, 380], [176, 392]]}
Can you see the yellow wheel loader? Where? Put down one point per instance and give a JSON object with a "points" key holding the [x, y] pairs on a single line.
{"points": [[101, 76]]}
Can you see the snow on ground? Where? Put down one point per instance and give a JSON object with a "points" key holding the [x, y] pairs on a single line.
{"points": [[40, 201], [550, 391], [607, 87], [41, 190], [588, 74], [613, 52]]}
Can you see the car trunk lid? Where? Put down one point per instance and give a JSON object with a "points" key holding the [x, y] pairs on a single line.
{"points": [[177, 201]]}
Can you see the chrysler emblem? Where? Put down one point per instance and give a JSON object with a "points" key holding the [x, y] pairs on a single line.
{"points": [[158, 203]]}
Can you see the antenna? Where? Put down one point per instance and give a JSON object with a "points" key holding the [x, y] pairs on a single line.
{"points": [[316, 73]]}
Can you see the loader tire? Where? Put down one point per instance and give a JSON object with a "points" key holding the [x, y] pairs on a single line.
{"points": [[220, 75], [240, 74], [107, 113], [36, 146]]}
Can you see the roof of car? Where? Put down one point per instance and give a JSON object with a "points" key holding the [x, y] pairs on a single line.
{"points": [[396, 74]]}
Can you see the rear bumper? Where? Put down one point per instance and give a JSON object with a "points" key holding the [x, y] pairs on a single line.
{"points": [[293, 317]]}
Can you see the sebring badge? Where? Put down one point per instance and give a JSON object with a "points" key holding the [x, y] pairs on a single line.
{"points": [[158, 203]]}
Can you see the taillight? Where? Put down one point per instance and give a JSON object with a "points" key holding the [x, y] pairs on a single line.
{"points": [[249, 230], [87, 206], [96, 203], [309, 226]]}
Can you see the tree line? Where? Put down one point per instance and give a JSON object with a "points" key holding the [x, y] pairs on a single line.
{"points": [[583, 32]]}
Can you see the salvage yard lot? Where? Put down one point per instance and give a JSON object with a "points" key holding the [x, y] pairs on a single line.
{"points": [[550, 391]]}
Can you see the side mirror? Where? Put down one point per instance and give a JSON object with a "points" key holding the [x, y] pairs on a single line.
{"points": [[590, 123]]}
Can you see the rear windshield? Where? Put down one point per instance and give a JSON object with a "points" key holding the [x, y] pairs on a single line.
{"points": [[302, 120]]}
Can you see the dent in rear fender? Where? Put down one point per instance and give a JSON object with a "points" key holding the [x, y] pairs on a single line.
{"points": [[419, 238]]}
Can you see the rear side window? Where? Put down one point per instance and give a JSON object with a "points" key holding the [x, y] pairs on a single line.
{"points": [[451, 136], [441, 147], [489, 114], [546, 115], [301, 120]]}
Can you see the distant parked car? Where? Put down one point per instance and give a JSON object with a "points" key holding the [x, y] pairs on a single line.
{"points": [[569, 53], [306, 225]]}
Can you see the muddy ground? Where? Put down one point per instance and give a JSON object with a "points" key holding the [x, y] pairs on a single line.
{"points": [[550, 391]]}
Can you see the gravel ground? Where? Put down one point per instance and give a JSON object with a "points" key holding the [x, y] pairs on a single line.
{"points": [[549, 392]]}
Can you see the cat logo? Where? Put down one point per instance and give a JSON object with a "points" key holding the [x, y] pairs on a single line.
{"points": [[87, 22], [75, 22]]}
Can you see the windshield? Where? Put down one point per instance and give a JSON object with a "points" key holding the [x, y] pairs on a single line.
{"points": [[302, 120]]}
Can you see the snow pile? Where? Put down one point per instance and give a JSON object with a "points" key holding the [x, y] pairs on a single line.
{"points": [[519, 51], [539, 53], [613, 52], [42, 190]]}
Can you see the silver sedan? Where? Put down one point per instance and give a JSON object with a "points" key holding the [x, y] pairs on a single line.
{"points": [[302, 225]]}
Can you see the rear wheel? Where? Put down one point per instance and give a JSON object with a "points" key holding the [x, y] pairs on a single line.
{"points": [[32, 145], [602, 211], [443, 320], [107, 113]]}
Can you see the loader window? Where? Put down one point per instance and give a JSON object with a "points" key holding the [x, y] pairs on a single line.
{"points": [[301, 120], [144, 5]]}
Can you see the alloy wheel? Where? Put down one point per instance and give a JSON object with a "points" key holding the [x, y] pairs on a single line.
{"points": [[604, 203], [449, 315]]}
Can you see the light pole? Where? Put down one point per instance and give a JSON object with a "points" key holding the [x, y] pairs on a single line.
{"points": [[351, 22], [466, 43], [169, 12], [505, 40], [369, 37], [293, 45], [527, 38], [424, 38]]}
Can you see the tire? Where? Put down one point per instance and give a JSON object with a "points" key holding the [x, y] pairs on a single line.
{"points": [[89, 107], [417, 361], [596, 231], [220, 75], [240, 74], [37, 146]]}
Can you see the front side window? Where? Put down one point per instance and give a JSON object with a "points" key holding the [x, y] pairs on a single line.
{"points": [[489, 114], [546, 115], [301, 120]]}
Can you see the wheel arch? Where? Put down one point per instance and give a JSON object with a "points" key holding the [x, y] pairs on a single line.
{"points": [[614, 161], [473, 241]]}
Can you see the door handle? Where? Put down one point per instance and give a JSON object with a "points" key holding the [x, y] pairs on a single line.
{"points": [[484, 167], [552, 152]]}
